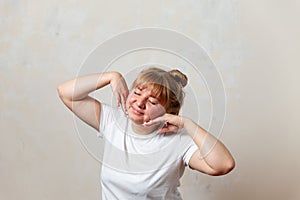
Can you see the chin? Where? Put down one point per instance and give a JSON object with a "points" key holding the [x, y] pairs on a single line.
{"points": [[138, 122], [134, 119]]}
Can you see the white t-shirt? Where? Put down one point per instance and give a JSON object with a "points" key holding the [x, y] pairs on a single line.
{"points": [[141, 166]]}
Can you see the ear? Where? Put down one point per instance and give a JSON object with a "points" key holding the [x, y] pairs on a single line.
{"points": [[171, 111]]}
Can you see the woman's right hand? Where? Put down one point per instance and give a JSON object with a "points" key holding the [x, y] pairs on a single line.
{"points": [[120, 89]]}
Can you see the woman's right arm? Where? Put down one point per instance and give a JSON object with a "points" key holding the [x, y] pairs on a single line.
{"points": [[75, 95]]}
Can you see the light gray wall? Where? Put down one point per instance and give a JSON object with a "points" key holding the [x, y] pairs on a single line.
{"points": [[254, 45]]}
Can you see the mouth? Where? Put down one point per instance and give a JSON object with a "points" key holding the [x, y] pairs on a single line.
{"points": [[137, 111]]}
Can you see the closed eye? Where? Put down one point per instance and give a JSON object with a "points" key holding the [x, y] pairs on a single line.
{"points": [[153, 103]]}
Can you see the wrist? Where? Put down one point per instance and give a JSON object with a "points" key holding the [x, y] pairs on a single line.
{"points": [[186, 122], [113, 75], [190, 126]]}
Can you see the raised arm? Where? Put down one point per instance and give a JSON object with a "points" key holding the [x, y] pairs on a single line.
{"points": [[75, 95], [212, 157]]}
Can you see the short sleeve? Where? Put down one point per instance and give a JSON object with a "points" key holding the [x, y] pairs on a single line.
{"points": [[189, 152], [106, 117]]}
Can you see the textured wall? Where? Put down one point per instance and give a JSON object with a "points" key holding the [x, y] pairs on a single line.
{"points": [[253, 44]]}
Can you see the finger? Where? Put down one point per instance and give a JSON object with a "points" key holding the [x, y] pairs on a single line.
{"points": [[168, 129], [126, 93], [118, 99], [160, 119], [157, 120], [123, 102], [163, 130]]}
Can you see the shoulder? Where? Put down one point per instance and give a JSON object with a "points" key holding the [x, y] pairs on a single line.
{"points": [[109, 111], [109, 115]]}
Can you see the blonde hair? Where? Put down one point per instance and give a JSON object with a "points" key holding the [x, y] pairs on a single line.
{"points": [[167, 86]]}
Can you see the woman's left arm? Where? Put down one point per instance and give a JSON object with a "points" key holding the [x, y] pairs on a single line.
{"points": [[212, 157]]}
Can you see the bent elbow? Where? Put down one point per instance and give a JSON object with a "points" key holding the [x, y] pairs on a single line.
{"points": [[61, 92], [228, 167], [225, 169]]}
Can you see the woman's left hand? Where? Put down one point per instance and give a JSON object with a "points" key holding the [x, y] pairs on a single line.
{"points": [[172, 123]]}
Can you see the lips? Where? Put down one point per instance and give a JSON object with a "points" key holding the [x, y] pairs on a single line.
{"points": [[137, 111]]}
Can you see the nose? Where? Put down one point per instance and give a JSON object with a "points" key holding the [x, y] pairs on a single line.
{"points": [[141, 102]]}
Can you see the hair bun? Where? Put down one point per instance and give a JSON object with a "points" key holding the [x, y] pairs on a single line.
{"points": [[179, 77]]}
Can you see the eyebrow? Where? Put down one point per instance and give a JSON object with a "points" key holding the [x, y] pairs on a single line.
{"points": [[151, 95]]}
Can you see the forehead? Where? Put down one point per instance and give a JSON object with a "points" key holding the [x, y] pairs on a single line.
{"points": [[146, 89], [155, 90]]}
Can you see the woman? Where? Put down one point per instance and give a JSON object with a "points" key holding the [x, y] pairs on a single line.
{"points": [[147, 143]]}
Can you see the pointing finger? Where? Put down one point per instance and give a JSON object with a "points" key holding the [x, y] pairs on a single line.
{"points": [[155, 121]]}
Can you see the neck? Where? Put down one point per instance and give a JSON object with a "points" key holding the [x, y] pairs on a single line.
{"points": [[143, 130]]}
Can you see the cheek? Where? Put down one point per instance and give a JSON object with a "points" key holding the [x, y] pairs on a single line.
{"points": [[156, 111]]}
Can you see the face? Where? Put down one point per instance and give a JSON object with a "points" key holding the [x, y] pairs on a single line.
{"points": [[142, 106]]}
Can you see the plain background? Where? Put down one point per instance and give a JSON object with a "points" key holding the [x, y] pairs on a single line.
{"points": [[254, 44]]}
